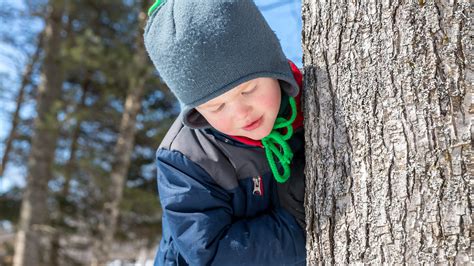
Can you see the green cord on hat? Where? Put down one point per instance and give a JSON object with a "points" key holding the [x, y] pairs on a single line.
{"points": [[275, 138], [154, 6]]}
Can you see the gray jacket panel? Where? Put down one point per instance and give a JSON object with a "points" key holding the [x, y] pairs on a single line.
{"points": [[226, 163]]}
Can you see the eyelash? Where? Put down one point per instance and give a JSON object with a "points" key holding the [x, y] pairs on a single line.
{"points": [[250, 91], [243, 93]]}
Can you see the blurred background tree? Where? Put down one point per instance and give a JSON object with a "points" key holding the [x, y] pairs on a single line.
{"points": [[87, 63]]}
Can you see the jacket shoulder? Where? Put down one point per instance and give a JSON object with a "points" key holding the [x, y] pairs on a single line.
{"points": [[201, 149]]}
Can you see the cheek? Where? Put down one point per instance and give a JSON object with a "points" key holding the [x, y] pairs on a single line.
{"points": [[221, 123], [268, 103], [273, 103]]}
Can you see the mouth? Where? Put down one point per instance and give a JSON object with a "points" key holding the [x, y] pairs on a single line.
{"points": [[253, 125]]}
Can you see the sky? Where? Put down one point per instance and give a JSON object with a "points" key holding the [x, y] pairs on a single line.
{"points": [[283, 16]]}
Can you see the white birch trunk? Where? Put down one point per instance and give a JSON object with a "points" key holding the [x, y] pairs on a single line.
{"points": [[388, 117]]}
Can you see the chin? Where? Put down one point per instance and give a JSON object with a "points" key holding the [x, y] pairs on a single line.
{"points": [[255, 137], [260, 135]]}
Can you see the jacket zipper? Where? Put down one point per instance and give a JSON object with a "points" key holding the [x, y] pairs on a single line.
{"points": [[257, 186]]}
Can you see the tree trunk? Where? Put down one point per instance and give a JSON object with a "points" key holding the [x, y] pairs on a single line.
{"points": [[388, 119], [26, 79], [125, 142], [33, 229]]}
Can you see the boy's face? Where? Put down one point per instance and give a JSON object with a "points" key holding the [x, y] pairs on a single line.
{"points": [[248, 110]]}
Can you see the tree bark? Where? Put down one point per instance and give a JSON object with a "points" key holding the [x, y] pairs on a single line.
{"points": [[388, 118], [125, 142], [26, 79], [33, 229]]}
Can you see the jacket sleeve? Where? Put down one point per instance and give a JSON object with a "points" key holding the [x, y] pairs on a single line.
{"points": [[203, 228]]}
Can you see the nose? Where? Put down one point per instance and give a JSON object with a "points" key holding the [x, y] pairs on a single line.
{"points": [[241, 110]]}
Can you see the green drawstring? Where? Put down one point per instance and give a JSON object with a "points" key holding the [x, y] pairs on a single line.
{"points": [[154, 6], [275, 138]]}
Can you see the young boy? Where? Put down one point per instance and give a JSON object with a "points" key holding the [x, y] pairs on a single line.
{"points": [[230, 169]]}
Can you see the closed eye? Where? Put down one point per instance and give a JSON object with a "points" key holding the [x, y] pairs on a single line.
{"points": [[249, 91]]}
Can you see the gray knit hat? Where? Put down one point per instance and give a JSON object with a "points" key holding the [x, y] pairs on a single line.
{"points": [[204, 48]]}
